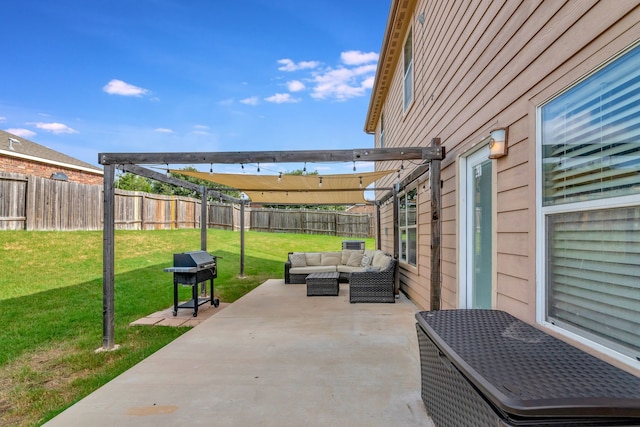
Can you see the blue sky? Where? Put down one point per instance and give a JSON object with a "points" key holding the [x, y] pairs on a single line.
{"points": [[84, 77]]}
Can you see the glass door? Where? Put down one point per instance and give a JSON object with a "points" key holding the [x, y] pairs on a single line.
{"points": [[479, 231]]}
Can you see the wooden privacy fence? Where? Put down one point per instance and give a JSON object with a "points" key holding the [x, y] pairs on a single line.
{"points": [[312, 222], [34, 203]]}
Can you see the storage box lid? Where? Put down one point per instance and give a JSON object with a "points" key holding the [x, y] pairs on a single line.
{"points": [[525, 372]]}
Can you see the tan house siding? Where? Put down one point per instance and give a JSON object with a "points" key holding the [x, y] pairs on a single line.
{"points": [[480, 65]]}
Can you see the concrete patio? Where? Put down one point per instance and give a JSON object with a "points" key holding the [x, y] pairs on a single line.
{"points": [[274, 358]]}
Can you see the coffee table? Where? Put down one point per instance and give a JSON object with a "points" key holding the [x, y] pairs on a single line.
{"points": [[323, 284]]}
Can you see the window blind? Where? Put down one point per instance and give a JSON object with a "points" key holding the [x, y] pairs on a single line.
{"points": [[591, 136], [593, 275]]}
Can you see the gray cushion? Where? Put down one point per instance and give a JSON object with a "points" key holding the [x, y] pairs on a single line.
{"points": [[346, 253], [348, 269], [298, 259], [313, 258], [330, 258], [355, 260], [313, 269]]}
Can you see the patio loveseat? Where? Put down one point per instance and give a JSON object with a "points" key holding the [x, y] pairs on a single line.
{"points": [[370, 273]]}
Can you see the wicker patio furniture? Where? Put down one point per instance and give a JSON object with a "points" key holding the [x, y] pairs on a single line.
{"points": [[374, 286], [488, 368], [323, 284]]}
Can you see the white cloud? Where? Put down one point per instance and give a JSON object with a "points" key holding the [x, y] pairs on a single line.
{"points": [[295, 86], [226, 102], [54, 127], [351, 78], [289, 65], [343, 83], [23, 133], [118, 87], [202, 127], [163, 130], [250, 101], [282, 98], [356, 57], [2, 119]]}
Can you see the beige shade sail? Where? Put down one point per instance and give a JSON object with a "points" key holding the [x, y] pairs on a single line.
{"points": [[283, 189]]}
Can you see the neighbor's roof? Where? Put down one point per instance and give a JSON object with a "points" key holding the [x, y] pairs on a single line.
{"points": [[29, 150], [343, 189], [400, 14]]}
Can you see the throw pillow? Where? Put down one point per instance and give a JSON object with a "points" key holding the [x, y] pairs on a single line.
{"points": [[355, 260], [298, 260], [346, 253], [366, 261]]}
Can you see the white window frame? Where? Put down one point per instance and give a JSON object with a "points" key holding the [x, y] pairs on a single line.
{"points": [[408, 73], [403, 254], [541, 230]]}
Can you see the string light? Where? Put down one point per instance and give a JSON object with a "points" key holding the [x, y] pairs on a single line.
{"points": [[279, 176], [211, 169], [360, 182], [304, 170], [320, 183], [354, 165], [258, 167]]}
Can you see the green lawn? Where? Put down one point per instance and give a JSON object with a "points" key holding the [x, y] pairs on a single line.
{"points": [[51, 305]]}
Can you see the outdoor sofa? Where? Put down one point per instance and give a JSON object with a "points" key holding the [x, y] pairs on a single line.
{"points": [[370, 273]]}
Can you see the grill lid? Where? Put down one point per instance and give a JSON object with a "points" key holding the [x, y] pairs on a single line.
{"points": [[200, 259]]}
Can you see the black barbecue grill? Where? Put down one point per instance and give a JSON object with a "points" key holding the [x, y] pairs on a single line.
{"points": [[191, 269]]}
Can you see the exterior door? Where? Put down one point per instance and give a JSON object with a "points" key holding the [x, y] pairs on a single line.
{"points": [[478, 231]]}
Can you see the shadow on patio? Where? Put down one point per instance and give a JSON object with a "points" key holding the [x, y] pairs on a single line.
{"points": [[275, 357]]}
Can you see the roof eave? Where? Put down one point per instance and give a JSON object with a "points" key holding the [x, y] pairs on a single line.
{"points": [[391, 51]]}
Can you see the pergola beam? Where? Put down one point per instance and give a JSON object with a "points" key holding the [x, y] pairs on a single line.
{"points": [[356, 155]]}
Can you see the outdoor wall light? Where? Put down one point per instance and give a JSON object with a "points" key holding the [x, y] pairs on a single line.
{"points": [[421, 18], [60, 176], [498, 143]]}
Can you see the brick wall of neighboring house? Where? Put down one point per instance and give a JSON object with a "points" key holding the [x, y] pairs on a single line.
{"points": [[368, 209], [28, 167]]}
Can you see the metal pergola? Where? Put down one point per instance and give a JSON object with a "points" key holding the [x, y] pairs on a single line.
{"points": [[131, 162]]}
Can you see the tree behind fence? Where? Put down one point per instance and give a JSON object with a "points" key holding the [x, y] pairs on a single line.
{"points": [[34, 203]]}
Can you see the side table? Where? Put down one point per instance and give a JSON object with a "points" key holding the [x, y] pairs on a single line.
{"points": [[323, 284]]}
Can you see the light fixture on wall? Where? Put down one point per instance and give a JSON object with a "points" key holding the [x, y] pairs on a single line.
{"points": [[421, 18], [59, 176], [498, 143]]}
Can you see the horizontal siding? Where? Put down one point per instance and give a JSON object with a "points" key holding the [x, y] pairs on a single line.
{"points": [[484, 64]]}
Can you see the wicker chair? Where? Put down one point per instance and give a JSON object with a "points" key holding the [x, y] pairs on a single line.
{"points": [[374, 286]]}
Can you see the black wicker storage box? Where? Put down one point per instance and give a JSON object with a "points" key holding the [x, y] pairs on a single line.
{"points": [[487, 368]]}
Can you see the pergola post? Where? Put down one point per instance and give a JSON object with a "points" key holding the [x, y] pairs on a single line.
{"points": [[203, 218], [108, 264], [396, 232], [436, 229], [242, 203]]}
